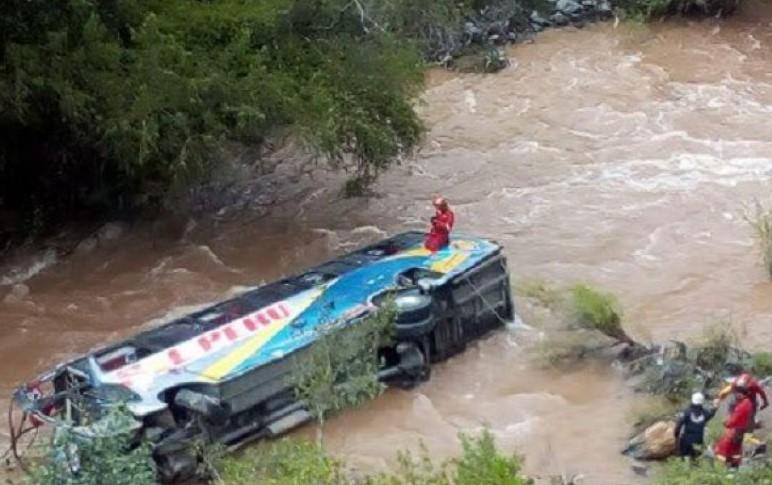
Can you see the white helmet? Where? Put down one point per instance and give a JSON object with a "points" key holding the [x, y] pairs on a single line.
{"points": [[698, 399]]}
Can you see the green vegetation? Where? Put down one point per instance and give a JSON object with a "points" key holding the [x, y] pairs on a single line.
{"points": [[596, 310], [108, 457], [340, 370], [760, 220], [286, 462], [298, 463], [761, 365], [108, 105], [678, 472]]}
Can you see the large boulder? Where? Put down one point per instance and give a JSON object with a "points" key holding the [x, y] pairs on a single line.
{"points": [[656, 442]]}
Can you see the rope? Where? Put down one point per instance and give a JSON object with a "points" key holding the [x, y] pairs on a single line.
{"points": [[490, 307]]}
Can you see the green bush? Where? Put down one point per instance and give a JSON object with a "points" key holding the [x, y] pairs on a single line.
{"points": [[599, 311], [110, 457], [109, 104], [482, 464], [340, 369]]}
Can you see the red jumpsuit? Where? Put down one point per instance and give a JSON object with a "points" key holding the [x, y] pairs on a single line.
{"points": [[439, 235], [730, 446]]}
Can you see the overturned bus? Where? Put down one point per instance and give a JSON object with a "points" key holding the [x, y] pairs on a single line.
{"points": [[223, 373]]}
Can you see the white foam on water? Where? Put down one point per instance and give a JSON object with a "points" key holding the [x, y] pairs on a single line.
{"points": [[21, 274], [471, 101]]}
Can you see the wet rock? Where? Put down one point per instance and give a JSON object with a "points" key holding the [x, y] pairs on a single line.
{"points": [[560, 19], [656, 442], [604, 8], [569, 7], [473, 32], [18, 292], [536, 19]]}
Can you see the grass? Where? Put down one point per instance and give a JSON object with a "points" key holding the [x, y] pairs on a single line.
{"points": [[704, 472], [760, 219]]}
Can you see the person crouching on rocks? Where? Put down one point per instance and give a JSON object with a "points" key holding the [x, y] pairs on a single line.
{"points": [[442, 224], [729, 448], [690, 428]]}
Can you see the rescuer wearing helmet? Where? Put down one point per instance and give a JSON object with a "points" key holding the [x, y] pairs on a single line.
{"points": [[755, 391], [441, 225], [690, 428], [729, 448]]}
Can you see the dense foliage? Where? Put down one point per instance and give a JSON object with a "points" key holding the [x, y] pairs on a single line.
{"points": [[108, 104], [109, 457]]}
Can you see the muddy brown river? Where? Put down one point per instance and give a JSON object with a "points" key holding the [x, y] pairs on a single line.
{"points": [[619, 156]]}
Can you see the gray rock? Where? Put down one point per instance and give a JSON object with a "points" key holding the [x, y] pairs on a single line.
{"points": [[604, 7], [536, 19], [559, 19], [568, 7], [473, 31], [589, 4]]}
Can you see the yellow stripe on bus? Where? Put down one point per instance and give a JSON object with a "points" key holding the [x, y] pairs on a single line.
{"points": [[225, 365]]}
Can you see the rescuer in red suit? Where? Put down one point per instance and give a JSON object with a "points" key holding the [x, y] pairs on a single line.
{"points": [[442, 224], [729, 448]]}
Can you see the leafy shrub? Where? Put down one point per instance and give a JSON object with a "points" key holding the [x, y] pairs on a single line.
{"points": [[340, 368], [109, 457], [599, 311], [482, 464]]}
